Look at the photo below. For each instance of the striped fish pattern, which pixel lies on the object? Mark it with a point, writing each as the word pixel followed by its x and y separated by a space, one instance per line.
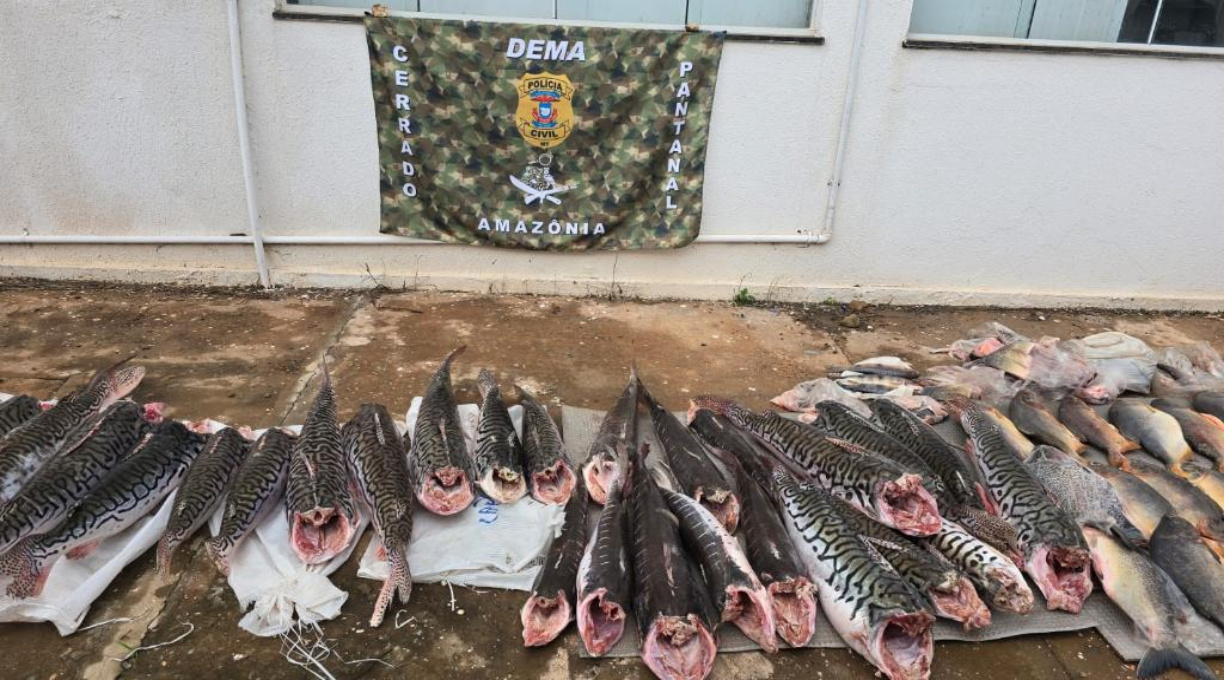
pixel 258 488
pixel 25 449
pixel 549 475
pixel 499 453
pixel 322 515
pixel 995 573
pixel 72 474
pixel 379 463
pixel 605 576
pixel 133 489
pixel 619 428
pixel 550 607
pixel 201 491
pixel 439 462
pixel 17 411
pixel 1055 553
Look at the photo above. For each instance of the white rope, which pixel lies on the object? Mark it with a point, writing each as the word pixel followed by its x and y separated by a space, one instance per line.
pixel 145 648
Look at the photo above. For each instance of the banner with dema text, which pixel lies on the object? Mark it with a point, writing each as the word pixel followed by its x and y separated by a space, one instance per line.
pixel 543 137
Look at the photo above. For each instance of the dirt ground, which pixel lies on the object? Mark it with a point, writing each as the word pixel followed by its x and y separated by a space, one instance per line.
pixel 248 357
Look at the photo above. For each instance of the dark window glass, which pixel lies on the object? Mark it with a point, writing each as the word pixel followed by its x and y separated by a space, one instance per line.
pixel 1196 23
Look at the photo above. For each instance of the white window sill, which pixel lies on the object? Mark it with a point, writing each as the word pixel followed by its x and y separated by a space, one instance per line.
pixel 982 43
pixel 739 33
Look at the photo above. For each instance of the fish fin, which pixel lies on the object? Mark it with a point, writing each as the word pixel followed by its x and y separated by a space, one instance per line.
pixel 1127 533
pixel 875 553
pixel 987 501
pixel 1157 661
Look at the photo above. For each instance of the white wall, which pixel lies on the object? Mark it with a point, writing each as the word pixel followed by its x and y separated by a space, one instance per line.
pixel 970 176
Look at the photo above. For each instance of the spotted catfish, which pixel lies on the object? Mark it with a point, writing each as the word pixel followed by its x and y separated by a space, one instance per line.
pixel 549 475
pixel 619 427
pixel 202 490
pixel 876 486
pixel 1054 550
pixel 1083 494
pixel 63 481
pixel 379 463
pixel 605 574
pixel 439 461
pixel 318 496
pixel 17 411
pixel 258 488
pixel 135 487
pixel 550 607
pixel 499 453
pixel 25 449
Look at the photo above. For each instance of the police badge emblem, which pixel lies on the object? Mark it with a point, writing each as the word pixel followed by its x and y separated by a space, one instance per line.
pixel 545 113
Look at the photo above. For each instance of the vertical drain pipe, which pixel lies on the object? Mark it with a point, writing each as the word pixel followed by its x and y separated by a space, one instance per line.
pixel 860 27
pixel 244 144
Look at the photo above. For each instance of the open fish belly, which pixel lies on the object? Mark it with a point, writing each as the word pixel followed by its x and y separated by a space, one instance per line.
pixel 901 645
pixel 601 622
pixel 678 648
pixel 545 617
pixel 446 491
pixel 1063 575
pixel 905 505
pixel 795 610
pixel 321 534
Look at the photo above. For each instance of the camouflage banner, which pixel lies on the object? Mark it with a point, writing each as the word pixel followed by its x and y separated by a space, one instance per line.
pixel 545 137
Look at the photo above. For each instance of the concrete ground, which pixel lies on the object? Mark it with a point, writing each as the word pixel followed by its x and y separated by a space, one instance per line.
pixel 248 358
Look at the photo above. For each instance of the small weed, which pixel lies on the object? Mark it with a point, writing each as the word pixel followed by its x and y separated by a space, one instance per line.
pixel 743 298
pixel 830 302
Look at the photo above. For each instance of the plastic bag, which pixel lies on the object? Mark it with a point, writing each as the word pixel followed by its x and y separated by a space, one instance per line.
pixel 802 398
pixel 1123 363
pixel 983 340
pixel 978 382
pixel 1056 366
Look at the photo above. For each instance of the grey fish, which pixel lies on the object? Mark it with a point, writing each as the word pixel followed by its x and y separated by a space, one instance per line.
pixel 318 496
pixel 991 570
pixel 258 488
pixel 1034 419
pixel 874 610
pixel 1143 505
pixel 877 486
pixel 1179 550
pixel 1054 550
pixel 1151 600
pixel 691 465
pixel 1020 445
pixel 376 455
pixel 550 607
pixel 1211 403
pixel 136 486
pixel 1157 432
pixel 1204 433
pixel 619 426
pixel 499 453
pixel 1085 423
pixel 26 448
pixel 1206 479
pixel 201 491
pixel 605 574
pixel 872 384
pixel 87 458
pixel 895 367
pixel 439 462
pixel 1014 358
pixel 17 411
pixel 1188 501
pixel 1082 494
pixel 550 477
pixel 1173 388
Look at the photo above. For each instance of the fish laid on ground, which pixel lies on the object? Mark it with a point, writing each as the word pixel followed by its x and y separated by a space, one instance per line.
pixel 499 453
pixel 1014 358
pixel 1211 403
pixel 876 486
pixel 1157 432
pixel 991 570
pixel 1206 479
pixel 874 610
pixel 1179 550
pixel 673 609
pixel 258 488
pixel 136 486
pixel 1085 423
pixel 1188 501
pixel 87 458
pixel 890 366
pixel 1054 550
pixel 1143 505
pixel 691 465
pixel 1082 494
pixel 605 574
pixel 1204 433
pixel 1174 388
pixel 619 428
pixel 1034 419
pixel 735 591
pixel 550 477
pixel 871 384
pixel 376 455
pixel 26 448
pixel 1151 600
pixel 202 490
pixel 439 462
pixel 17 411
pixel 802 398
pixel 770 552
pixel 1020 445
pixel 550 607
pixel 318 496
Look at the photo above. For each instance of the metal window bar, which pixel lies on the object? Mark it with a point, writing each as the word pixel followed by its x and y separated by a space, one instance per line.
pixel 1155 20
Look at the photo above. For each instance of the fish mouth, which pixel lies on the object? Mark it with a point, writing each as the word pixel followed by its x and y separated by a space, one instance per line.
pixel 1063 575
pixel 959 602
pixel 544 618
pixel 906 506
pixel 320 534
pixel 446 491
pixel 601 622
pixel 794 606
pixel 679 648
pixel 553 484
pixel 904 646
pixel 600 476
pixel 504 485
pixel 1012 594
pixel 153 412
pixel 752 612
pixel 723 505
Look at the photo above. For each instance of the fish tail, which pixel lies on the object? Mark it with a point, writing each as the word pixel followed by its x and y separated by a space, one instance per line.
pixel 398 582
pixel 165 551
pixel 450 358
pixel 486 383
pixel 1157 661
pixel 218 550
pixel 1128 534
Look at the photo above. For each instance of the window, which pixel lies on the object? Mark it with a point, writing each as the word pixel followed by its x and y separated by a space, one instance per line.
pixel 740 13
pixel 1197 23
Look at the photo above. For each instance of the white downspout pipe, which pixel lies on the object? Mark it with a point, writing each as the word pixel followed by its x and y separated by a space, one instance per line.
pixel 835 180
pixel 244 144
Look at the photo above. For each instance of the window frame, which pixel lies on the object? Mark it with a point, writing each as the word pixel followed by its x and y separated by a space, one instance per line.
pixel 810 35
